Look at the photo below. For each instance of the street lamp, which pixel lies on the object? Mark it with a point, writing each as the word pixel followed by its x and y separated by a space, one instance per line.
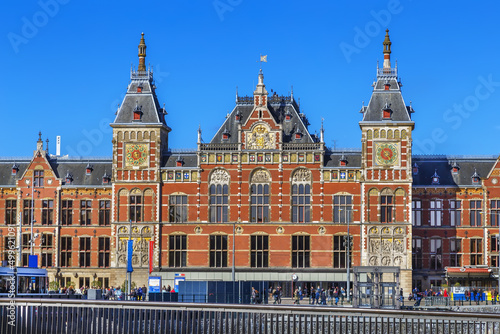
pixel 348 245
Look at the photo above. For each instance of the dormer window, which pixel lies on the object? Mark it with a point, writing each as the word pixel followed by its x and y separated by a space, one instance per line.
pixel 298 134
pixel 475 178
pixel 455 168
pixel 179 162
pixel 225 134
pixel 88 169
pixel 106 178
pixel 386 111
pixel 435 177
pixel 137 112
pixel 343 161
pixel 237 116
pixel 15 169
pixel 69 178
pixel 288 115
pixel 387 85
pixel 139 88
pixel 415 169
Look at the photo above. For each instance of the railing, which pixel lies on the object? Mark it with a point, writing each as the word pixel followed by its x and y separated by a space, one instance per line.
pixel 48 316
pixel 141 74
pixel 301 147
pixel 219 147
pixel 387 72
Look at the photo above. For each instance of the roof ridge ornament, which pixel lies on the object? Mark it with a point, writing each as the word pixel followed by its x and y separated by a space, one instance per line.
pixel 142 54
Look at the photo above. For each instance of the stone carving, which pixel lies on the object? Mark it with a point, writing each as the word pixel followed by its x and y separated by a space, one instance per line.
pixel 373 261
pixel 280 230
pixel 398 260
pixel 146 230
pixel 261 176
pixel 386 245
pixel 322 230
pixel 374 246
pixel 219 176
pixel 398 230
pixel 135 260
pixel 260 138
pixel 198 230
pixel 386 230
pixel 398 246
pixel 302 175
pixel 145 259
pixel 238 229
pixel 385 261
pixel 122 245
pixel 122 259
pixel 123 230
pixel 374 230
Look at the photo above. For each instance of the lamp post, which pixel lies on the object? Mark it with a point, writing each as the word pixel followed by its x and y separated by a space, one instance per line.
pixel 233 267
pixel 347 245
pixel 129 283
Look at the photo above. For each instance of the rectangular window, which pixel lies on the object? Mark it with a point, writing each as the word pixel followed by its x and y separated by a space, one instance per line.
pixel 342 209
pixel 10 211
pixel 436 261
pixel 416 212
pixel 47 212
pixel 495 247
pixel 136 208
pixel 104 213
pixel 177 251
pixel 84 281
pixel 455 250
pixel 219 200
pixel 301 248
pixel 218 251
pixel 38 178
pixel 476 252
pixel 340 252
pixel 436 212
pixel 259 203
pixel 259 251
pixel 301 203
pixel 178 208
pixel 67 212
pixel 475 213
pixel 46 249
pixel 26 248
pixel 103 252
pixel 85 252
pixel 417 254
pixel 27 211
pixel 66 251
pixel 386 209
pixel 495 212
pixel 455 212
pixel 85 212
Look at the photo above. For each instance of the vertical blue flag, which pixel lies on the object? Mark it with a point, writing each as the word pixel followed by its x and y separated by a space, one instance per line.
pixel 130 250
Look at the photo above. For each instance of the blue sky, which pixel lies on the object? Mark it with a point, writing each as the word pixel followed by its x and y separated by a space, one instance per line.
pixel 66 67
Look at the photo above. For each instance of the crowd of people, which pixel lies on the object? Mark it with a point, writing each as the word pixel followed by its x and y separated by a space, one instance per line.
pixel 320 296
pixel 476 295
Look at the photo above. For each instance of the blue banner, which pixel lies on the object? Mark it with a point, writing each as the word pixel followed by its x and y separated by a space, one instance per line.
pixel 33 261
pixel 130 250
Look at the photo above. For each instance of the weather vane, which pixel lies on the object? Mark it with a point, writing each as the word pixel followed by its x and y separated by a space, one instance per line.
pixel 263 59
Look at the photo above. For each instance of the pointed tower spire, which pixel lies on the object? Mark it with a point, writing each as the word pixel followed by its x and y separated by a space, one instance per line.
pixel 39 143
pixel 387 51
pixel 142 54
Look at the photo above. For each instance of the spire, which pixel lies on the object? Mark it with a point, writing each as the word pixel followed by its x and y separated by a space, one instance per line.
pixel 39 143
pixel 261 88
pixel 142 54
pixel 387 50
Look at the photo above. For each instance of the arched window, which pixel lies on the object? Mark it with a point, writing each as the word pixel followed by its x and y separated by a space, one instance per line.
pixel 135 202
pixel 259 196
pixel 219 196
pixel 301 196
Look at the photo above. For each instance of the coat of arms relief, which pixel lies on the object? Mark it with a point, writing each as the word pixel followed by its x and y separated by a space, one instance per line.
pixel 260 138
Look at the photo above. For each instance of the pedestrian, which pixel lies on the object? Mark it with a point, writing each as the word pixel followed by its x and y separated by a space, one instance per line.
pixel 401 295
pixel 494 296
pixel 253 296
pixel 144 292
pixel 139 293
pixel 342 295
pixel 467 295
pixel 318 294
pixel 296 296
pixel 336 295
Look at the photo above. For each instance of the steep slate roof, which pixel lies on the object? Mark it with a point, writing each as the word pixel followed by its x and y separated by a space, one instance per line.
pixel 190 160
pixel 442 165
pixel 6 177
pixel 332 159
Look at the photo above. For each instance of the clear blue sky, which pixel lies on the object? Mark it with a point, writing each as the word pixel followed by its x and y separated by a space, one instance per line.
pixel 66 67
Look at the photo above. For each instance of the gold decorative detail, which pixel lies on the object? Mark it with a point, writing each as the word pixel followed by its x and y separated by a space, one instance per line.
pixel 198 230
pixel 322 230
pixel 386 154
pixel 123 230
pixel 326 176
pixel 369 134
pixel 244 158
pixel 238 229
pixel 382 134
pixel 309 157
pixel 373 230
pixel 276 158
pixel 293 157
pixel 400 192
pixel 260 138
pixel 211 158
pixel 146 230
pixel 398 230
pixel 403 134
pixel 227 157
pixel 136 154
pixel 194 176
pixel 386 230
pixel 373 192
pixel 280 230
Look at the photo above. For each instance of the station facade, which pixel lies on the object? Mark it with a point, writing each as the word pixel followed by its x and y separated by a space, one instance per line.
pixel 264 196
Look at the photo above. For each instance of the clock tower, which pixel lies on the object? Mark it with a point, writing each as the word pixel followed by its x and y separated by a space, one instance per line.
pixel 140 140
pixel 387 179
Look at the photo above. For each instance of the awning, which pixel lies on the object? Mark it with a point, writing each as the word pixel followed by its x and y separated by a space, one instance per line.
pixel 462 271
pixel 6 271
pixel 31 272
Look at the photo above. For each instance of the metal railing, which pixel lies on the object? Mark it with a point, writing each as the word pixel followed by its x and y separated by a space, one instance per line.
pixel 219 147
pixel 301 146
pixel 52 316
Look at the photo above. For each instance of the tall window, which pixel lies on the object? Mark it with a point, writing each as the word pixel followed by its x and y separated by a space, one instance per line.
pixel 67 212
pixel 386 202
pixel 38 178
pixel 340 251
pixel 259 203
pixel 417 253
pixel 103 252
pixel 455 213
pixel 136 208
pixel 10 211
pixel 495 248
pixel 259 251
pixel 26 248
pixel 455 250
pixel 416 212
pixel 177 250
pixel 104 212
pixel 301 249
pixel 85 212
pixel 342 208
pixel 301 203
pixel 436 254
pixel 47 248
pixel 436 212
pixel 218 251
pixel 476 252
pixel 27 211
pixel 219 200
pixel 66 251
pixel 475 213
pixel 495 212
pixel 178 208
pixel 85 252
pixel 47 212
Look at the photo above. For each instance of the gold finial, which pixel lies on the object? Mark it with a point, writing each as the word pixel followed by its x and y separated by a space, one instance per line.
pixel 142 54
pixel 387 42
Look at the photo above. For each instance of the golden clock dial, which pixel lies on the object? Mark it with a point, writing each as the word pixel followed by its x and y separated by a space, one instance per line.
pixel 386 154
pixel 136 154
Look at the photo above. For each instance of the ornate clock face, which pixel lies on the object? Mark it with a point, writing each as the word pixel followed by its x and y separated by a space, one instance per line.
pixel 386 154
pixel 136 154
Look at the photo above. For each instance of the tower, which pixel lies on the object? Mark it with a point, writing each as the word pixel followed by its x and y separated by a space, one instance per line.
pixel 140 137
pixel 386 164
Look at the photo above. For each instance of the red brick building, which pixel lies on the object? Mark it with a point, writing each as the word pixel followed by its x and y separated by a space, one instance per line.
pixel 264 178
